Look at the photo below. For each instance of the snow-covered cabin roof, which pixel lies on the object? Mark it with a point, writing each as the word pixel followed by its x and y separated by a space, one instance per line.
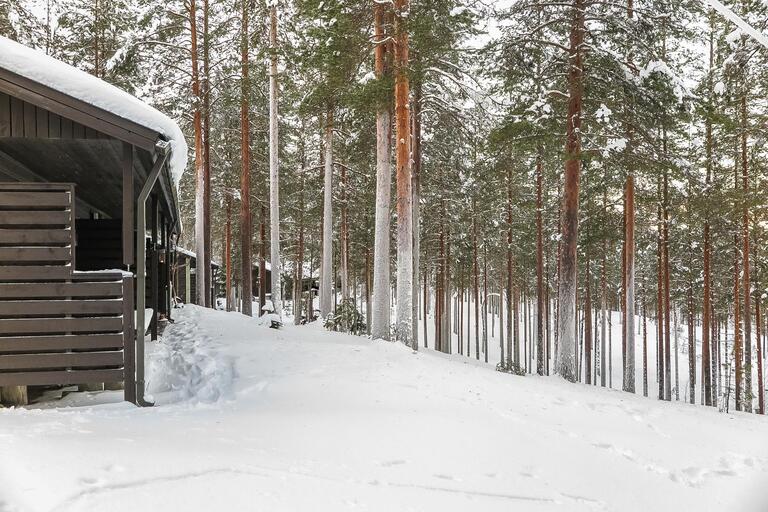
pixel 192 254
pixel 43 69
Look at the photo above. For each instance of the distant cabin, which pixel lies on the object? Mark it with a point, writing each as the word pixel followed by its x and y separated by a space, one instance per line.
pixel 76 154
pixel 184 277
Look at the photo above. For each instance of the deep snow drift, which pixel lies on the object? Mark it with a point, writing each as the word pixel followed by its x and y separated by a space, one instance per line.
pixel 249 418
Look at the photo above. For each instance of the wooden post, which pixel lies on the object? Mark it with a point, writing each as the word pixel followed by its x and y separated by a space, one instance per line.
pixel 187 280
pixel 128 212
pixel 129 340
pixel 154 299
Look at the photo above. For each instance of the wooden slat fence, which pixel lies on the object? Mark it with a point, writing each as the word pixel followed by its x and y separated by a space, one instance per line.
pixel 57 326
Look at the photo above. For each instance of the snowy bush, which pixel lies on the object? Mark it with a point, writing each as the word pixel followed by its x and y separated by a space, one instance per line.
pixel 346 318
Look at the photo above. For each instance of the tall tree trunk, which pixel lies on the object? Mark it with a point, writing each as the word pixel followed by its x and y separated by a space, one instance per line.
pixel 274 169
pixel 262 259
pixel 629 296
pixel 540 353
pixel 660 373
pixel 758 326
pixel 603 303
pixel 645 347
pixel 667 347
pixel 206 87
pixel 299 271
pixel 745 254
pixel 706 326
pixel 326 266
pixel 588 327
pixel 426 302
pixel 381 276
pixel 476 280
pixel 629 250
pixel 485 303
pixel 691 347
pixel 404 324
pixel 447 294
pixel 245 171
pixel 228 253
pixel 200 181
pixel 737 343
pixel 416 199
pixel 344 236
pixel 511 319
pixel 567 287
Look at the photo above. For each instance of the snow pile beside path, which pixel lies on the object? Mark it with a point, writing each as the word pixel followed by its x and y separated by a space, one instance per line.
pixel 183 366
pixel 57 75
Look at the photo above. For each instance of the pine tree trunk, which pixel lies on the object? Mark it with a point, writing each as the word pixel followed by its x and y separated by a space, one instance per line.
pixel 540 353
pixel 691 348
pixel 416 207
pixel 645 347
pixel 502 359
pixel 447 295
pixel 511 319
pixel 747 290
pixel 299 271
pixel 660 373
pixel 381 271
pixel 603 303
pixel 476 280
pixel 344 237
pixel 737 343
pixel 206 85
pixel 667 348
pixel 404 323
pixel 485 304
pixel 706 327
pixel 274 168
pixel 758 344
pixel 245 171
pixel 326 266
pixel 566 363
pixel 262 259
pixel 228 254
pixel 200 199
pixel 629 305
pixel 588 327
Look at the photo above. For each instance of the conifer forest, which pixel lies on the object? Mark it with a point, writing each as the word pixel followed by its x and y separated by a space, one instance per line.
pixel 568 193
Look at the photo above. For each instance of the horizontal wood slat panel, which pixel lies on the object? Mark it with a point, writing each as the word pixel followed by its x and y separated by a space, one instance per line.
pixel 31 218
pixel 35 236
pixel 63 342
pixel 41 290
pixel 60 377
pixel 60 360
pixel 35 254
pixel 60 325
pixel 35 273
pixel 55 199
pixel 61 307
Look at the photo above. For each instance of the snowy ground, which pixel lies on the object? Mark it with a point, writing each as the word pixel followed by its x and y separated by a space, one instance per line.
pixel 249 418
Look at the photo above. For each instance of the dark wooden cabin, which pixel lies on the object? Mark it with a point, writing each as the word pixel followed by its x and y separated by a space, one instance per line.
pixel 71 176
pixel 184 278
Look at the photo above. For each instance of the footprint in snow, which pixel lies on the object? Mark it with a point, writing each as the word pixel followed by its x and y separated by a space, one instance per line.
pixel 92 482
pixel 390 463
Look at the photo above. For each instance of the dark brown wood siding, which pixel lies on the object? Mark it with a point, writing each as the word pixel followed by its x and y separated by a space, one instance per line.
pixel 21 119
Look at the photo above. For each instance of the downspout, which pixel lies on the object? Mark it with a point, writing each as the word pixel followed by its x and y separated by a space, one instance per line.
pixel 162 149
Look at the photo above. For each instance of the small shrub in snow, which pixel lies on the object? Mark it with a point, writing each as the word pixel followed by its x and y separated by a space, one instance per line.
pixel 512 368
pixel 346 318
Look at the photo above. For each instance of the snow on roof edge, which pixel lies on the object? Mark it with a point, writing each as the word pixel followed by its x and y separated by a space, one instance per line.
pixel 44 69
